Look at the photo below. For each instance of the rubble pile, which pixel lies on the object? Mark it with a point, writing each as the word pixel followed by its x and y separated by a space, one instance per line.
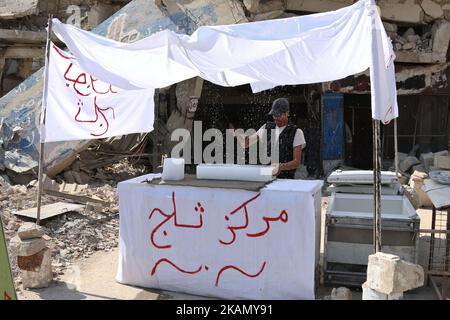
pixel 409 40
pixel 69 236
pixel 415 170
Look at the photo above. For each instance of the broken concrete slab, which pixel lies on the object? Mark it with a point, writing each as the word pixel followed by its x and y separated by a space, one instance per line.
pixel 13 9
pixel 76 198
pixel 42 274
pixel 407 164
pixel 30 230
pixel 388 274
pixel 442 162
pixel 418 167
pixel 432 9
pixel 50 210
pixel 18 162
pixel 371 294
pixel 49 184
pixel 406 11
pixel 30 247
pixel 442 153
pixel 441 36
pixel 439 195
pixel 427 159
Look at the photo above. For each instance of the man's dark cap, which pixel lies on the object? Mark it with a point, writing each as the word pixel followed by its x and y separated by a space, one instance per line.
pixel 279 106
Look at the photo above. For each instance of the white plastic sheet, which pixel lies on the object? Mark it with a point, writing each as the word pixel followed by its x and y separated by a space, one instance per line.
pixel 224 243
pixel 299 50
pixel 81 107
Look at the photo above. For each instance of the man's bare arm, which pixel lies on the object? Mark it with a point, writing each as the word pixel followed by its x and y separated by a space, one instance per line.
pixel 295 163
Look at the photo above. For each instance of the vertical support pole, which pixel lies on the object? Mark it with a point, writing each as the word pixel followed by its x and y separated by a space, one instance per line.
pixel 396 148
pixel 42 121
pixel 376 185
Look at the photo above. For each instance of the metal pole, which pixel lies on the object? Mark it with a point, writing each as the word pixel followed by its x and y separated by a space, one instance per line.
pixel 396 148
pixel 376 186
pixel 378 194
pixel 42 120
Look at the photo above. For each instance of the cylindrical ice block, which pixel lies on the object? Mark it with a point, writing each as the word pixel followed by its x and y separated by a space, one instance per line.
pixel 234 172
pixel 173 169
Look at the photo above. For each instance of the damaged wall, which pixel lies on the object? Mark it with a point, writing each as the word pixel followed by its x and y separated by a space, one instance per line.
pixel 140 18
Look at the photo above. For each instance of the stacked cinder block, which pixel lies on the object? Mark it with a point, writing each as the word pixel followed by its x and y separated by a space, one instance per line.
pixel 33 256
pixel 388 277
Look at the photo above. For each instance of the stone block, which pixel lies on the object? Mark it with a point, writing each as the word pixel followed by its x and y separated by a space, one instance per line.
pixel 390 27
pixel 416 183
pixel 409 46
pixel 341 293
pixel 427 159
pixel 406 11
pixel 432 9
pixel 442 153
pixel 418 167
pixel 408 32
pixel 441 36
pixel 42 275
pixel 388 274
pixel 442 162
pixel 407 164
pixel 370 294
pixel 31 246
pixel 30 230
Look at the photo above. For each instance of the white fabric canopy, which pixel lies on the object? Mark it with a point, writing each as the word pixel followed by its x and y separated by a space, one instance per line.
pixel 299 50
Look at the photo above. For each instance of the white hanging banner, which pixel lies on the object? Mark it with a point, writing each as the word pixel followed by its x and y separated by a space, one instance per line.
pixel 81 107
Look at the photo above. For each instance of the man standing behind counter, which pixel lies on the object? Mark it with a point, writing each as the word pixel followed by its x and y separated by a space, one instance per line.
pixel 288 137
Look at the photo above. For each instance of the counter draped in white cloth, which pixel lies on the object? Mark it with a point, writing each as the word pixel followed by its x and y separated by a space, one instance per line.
pixel 306 49
pixel 225 243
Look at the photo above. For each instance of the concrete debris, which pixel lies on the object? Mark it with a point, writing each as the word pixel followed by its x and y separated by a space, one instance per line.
pixel 432 9
pixel 18 162
pixel 64 187
pixel 30 247
pixel 390 27
pixel 407 164
pixel 73 236
pixel 442 162
pixel 341 293
pixel 427 160
pixel 442 153
pixel 418 167
pixel 13 9
pixel 412 196
pixel 30 230
pixel 371 294
pixel 50 210
pixel 388 274
pixel 416 183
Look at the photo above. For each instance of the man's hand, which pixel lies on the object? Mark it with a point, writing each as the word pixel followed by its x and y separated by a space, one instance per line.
pixel 276 170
